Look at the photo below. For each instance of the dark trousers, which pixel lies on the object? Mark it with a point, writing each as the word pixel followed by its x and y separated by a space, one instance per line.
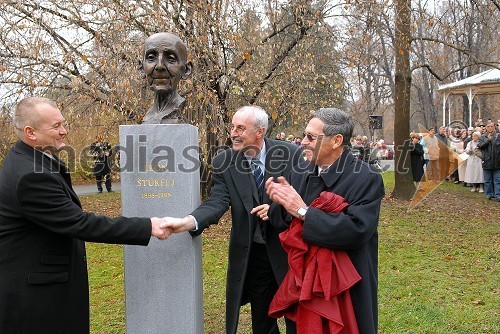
pixel 261 286
pixel 107 181
pixel 102 173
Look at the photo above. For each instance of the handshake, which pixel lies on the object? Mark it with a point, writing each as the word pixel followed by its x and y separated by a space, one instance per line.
pixel 162 228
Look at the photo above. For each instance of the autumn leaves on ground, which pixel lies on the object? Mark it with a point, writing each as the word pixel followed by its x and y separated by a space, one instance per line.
pixel 438 266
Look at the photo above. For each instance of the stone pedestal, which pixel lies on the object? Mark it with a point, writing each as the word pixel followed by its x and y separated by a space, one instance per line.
pixel 160 177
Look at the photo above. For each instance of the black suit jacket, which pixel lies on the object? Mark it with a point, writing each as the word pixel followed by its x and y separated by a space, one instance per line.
pixel 234 186
pixel 353 230
pixel 43 270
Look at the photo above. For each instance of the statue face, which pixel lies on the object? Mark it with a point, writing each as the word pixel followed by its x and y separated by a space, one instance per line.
pixel 165 62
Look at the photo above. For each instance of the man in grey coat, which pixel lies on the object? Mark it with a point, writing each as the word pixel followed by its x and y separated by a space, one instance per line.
pixel 257 262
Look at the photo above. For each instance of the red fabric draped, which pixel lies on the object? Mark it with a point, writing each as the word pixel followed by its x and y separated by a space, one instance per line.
pixel 315 291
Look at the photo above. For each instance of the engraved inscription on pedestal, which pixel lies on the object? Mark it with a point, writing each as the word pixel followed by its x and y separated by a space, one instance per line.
pixel 160 177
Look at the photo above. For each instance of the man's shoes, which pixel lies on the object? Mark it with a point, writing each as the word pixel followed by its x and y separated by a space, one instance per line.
pixel 496 199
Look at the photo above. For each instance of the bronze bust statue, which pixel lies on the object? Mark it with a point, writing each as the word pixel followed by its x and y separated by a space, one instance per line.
pixel 164 64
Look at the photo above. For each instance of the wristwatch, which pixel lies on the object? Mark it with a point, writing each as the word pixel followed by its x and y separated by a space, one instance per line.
pixel 302 212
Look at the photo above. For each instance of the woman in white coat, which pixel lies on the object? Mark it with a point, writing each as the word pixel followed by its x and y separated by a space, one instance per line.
pixel 474 171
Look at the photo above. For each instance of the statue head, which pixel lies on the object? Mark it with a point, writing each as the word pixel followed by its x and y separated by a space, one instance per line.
pixel 165 62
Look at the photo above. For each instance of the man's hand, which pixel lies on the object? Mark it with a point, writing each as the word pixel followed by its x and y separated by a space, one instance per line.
pixel 261 211
pixel 177 225
pixel 284 194
pixel 161 233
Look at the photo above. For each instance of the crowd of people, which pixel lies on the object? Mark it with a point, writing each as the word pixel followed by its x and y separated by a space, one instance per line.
pixel 297 140
pixel 469 157
pixel 370 151
pixel 361 147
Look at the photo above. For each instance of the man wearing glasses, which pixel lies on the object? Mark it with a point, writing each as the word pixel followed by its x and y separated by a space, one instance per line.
pixel 257 262
pixel 331 167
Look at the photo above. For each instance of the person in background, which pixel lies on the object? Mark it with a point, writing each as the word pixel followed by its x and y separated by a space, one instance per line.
pixel 352 141
pixel 489 144
pixel 43 264
pixel 426 152
pixel 416 158
pixel 452 140
pixel 468 139
pixel 431 143
pixel 444 154
pixel 374 152
pixel 461 149
pixel 474 173
pixel 357 148
pixel 457 146
pixel 382 153
pixel 101 152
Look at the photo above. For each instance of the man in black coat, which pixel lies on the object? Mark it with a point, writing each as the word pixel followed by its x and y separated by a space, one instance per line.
pixel 489 144
pixel 330 166
pixel 43 269
pixel 257 262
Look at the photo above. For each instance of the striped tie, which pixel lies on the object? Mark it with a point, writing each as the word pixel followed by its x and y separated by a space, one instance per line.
pixel 258 176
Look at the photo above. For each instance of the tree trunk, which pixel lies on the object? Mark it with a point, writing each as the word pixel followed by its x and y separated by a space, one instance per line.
pixel 404 187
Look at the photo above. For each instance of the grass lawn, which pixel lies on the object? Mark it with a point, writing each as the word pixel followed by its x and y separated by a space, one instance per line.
pixel 438 266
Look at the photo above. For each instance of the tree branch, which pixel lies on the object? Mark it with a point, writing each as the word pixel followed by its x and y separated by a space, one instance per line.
pixel 278 61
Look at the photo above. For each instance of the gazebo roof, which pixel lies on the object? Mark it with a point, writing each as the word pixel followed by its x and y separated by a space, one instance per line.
pixel 484 83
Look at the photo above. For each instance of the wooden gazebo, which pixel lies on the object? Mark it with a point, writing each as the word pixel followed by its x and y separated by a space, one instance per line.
pixel 484 83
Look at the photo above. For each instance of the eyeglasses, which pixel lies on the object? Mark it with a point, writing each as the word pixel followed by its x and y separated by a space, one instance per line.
pixel 311 137
pixel 238 129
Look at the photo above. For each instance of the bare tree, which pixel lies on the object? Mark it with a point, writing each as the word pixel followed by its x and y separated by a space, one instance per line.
pixel 87 55
pixel 404 187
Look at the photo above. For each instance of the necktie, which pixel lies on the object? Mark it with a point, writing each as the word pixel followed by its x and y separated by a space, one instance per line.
pixel 258 175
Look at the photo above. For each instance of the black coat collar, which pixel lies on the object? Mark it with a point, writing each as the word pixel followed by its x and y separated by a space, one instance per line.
pixel 45 163
pixel 333 173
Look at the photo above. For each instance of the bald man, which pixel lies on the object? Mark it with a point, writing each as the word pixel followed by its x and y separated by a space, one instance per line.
pixel 43 269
